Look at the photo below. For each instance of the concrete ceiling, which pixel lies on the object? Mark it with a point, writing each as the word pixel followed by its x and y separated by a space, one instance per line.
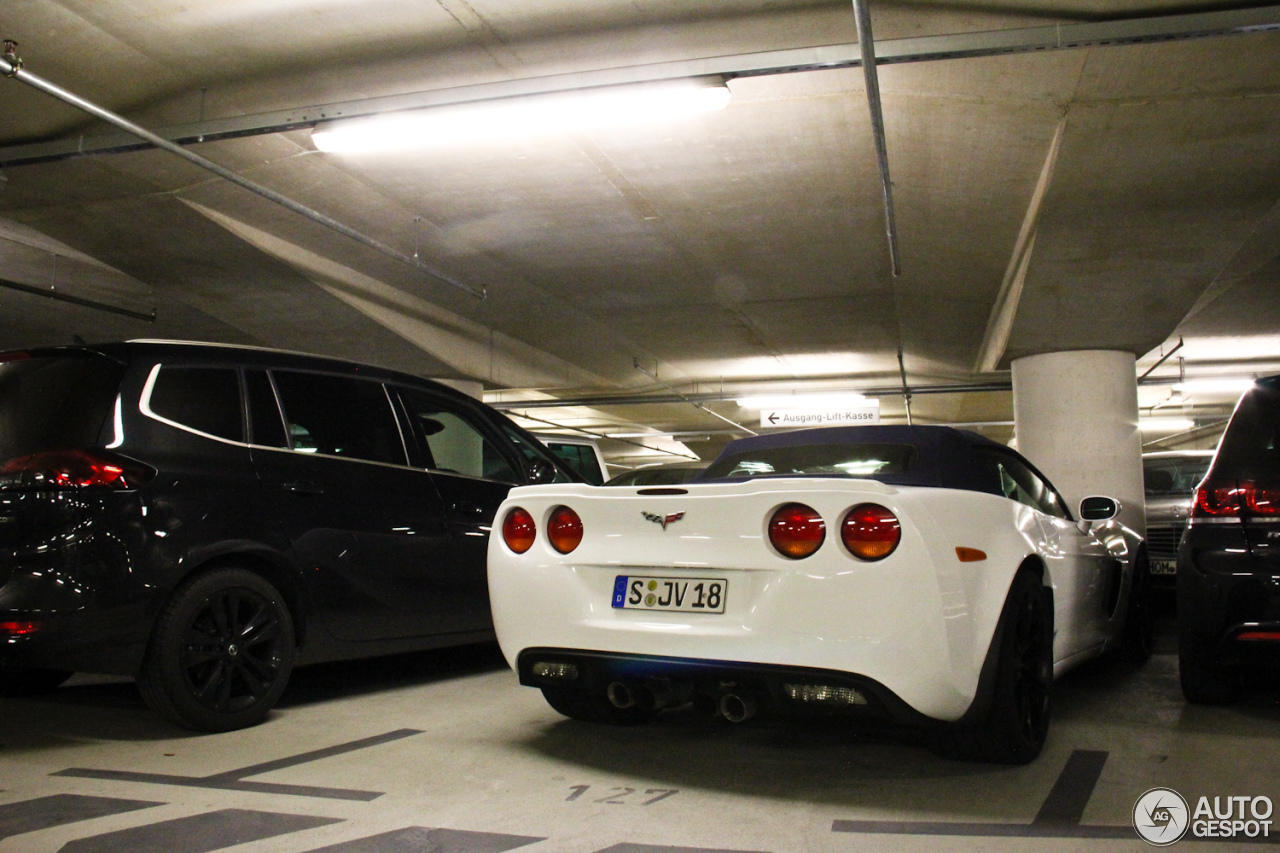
pixel 1117 196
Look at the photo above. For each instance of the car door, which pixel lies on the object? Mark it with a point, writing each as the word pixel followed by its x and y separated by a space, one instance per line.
pixel 1084 573
pixel 367 529
pixel 473 468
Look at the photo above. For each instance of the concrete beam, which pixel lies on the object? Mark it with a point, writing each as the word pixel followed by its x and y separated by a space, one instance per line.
pixel 922 49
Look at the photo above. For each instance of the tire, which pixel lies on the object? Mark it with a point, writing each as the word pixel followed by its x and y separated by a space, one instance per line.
pixel 31 682
pixel 1204 682
pixel 595 708
pixel 1138 636
pixel 1017 722
pixel 220 654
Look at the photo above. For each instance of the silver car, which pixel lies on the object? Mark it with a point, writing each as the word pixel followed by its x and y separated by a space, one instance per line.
pixel 1170 480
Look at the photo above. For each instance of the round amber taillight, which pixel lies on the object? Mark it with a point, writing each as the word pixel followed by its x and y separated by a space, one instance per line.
pixel 796 530
pixel 518 530
pixel 564 529
pixel 870 532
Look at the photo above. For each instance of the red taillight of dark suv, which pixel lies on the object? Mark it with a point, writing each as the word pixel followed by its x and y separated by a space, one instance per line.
pixel 1235 500
pixel 74 469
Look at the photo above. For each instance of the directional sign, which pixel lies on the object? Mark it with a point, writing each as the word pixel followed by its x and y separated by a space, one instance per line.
pixel 819 417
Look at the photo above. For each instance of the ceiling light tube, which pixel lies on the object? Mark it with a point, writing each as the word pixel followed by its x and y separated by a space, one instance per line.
pixel 516 118
pixel 1223 385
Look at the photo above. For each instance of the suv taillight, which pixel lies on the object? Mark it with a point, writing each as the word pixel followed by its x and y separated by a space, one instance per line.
pixel 1233 500
pixel 75 469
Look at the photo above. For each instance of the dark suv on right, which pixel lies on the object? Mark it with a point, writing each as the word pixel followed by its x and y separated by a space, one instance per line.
pixel 1229 558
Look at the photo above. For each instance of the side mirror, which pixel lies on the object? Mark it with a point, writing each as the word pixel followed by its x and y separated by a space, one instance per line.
pixel 1099 508
pixel 541 471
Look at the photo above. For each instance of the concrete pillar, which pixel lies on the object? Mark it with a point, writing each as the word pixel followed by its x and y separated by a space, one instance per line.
pixel 1076 418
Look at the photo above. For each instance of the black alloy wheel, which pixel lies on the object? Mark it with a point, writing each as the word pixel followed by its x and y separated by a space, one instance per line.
pixel 1137 639
pixel 1033 676
pixel 1017 722
pixel 1204 681
pixel 221 653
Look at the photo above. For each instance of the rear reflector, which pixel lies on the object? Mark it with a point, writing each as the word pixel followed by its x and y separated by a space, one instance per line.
pixel 871 532
pixel 551 669
pixel 75 469
pixel 564 529
pixel 824 693
pixel 18 629
pixel 796 530
pixel 518 530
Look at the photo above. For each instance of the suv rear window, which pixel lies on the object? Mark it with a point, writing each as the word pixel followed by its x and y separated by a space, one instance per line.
pixel 205 399
pixel 55 402
pixel 1251 445
pixel 863 460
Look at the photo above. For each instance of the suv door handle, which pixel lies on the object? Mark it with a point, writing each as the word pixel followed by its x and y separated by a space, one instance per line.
pixel 304 487
pixel 465 507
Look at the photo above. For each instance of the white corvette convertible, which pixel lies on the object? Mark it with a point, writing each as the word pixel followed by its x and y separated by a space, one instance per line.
pixel 923 574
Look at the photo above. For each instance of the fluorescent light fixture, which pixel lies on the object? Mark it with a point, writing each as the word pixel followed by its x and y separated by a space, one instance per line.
pixel 808 401
pixel 514 118
pixel 1165 424
pixel 1224 385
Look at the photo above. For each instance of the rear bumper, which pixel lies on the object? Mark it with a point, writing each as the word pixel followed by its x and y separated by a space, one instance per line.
pixel 869 628
pixel 1227 593
pixel 73 571
pixel 785 689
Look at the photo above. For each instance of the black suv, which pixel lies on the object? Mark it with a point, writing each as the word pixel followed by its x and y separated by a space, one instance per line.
pixel 1229 558
pixel 205 517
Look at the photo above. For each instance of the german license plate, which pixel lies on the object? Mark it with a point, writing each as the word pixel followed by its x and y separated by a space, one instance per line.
pixel 1164 567
pixel 681 595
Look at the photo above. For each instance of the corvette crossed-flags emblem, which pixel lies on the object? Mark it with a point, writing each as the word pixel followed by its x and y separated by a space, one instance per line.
pixel 664 520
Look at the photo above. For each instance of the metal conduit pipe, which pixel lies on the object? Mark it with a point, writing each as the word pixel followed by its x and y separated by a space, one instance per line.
pixel 867 46
pixel 11 66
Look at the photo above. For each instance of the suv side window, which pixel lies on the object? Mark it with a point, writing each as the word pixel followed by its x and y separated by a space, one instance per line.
pixel 339 416
pixel 532 453
pixel 203 399
pixel 452 441
pixel 579 457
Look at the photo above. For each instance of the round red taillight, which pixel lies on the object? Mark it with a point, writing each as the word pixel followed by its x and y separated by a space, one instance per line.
pixel 870 532
pixel 518 530
pixel 564 529
pixel 796 530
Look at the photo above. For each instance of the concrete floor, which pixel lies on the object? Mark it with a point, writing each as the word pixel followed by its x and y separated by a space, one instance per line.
pixel 445 752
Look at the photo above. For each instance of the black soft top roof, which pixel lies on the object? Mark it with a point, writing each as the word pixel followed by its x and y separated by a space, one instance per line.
pixel 946 457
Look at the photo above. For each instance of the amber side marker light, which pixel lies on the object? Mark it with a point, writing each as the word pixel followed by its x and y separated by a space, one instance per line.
pixel 518 530
pixel 796 530
pixel 970 555
pixel 871 532
pixel 564 529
